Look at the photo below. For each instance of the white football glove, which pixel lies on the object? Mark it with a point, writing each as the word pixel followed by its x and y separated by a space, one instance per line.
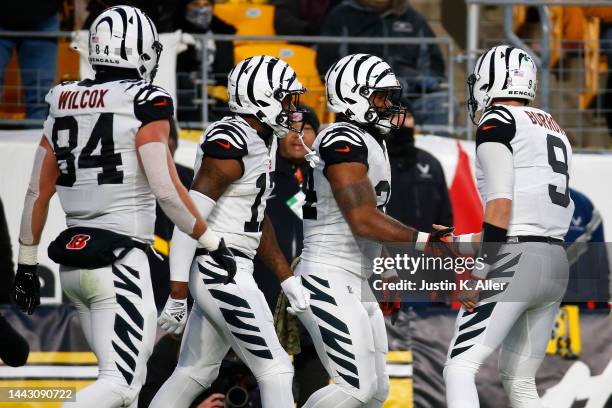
pixel 174 316
pixel 299 298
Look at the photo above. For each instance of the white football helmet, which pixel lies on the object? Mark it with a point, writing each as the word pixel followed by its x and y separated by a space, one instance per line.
pixel 125 37
pixel 258 85
pixel 351 81
pixel 501 72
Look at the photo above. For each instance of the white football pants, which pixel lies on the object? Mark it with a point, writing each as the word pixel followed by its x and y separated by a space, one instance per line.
pixel 349 336
pixel 118 316
pixel 235 315
pixel 520 319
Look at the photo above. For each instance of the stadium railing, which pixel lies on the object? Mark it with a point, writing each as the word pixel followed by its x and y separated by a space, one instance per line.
pixel 569 88
pixel 585 123
pixel 207 80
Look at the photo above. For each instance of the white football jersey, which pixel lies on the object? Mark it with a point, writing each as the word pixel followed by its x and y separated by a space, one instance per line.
pixel 328 237
pixel 239 212
pixel 542 160
pixel 92 125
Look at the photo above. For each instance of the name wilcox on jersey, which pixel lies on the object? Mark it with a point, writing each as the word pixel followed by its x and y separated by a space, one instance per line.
pixel 92 128
pixel 86 99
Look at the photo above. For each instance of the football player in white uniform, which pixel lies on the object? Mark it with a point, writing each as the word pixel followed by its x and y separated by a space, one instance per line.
pixel 344 224
pixel 234 171
pixel 104 150
pixel 523 161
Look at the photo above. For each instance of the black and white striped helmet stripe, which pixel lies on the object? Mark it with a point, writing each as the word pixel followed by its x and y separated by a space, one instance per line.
pixel 351 80
pixel 120 37
pixel 255 87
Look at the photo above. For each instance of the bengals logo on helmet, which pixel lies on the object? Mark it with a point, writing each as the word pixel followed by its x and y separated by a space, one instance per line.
pixel 78 242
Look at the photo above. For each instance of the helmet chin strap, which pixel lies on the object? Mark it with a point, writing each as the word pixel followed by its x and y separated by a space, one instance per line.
pixel 311 157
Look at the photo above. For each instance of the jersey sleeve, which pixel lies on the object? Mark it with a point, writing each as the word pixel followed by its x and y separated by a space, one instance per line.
pixel 496 125
pixel 152 103
pixel 224 140
pixel 495 132
pixel 343 145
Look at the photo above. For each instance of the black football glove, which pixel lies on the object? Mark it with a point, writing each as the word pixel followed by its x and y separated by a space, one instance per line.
pixel 26 288
pixel 437 235
pixel 225 259
pixel 437 247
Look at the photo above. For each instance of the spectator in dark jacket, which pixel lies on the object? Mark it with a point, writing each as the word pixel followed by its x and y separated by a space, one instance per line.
pixel 419 194
pixel 420 66
pixel 37 56
pixel 162 12
pixel 301 17
pixel 419 198
pixel 196 17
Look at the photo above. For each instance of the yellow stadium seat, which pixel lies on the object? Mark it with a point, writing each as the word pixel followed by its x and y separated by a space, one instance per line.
pixel 303 60
pixel 247 18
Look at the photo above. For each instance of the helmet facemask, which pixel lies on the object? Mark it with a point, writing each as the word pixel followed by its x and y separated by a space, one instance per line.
pixel 478 98
pixel 472 103
pixel 146 61
pixel 289 113
pixel 386 111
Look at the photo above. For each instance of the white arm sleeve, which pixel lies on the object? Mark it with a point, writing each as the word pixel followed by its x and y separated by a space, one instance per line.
pixel 498 169
pixel 25 232
pixel 154 159
pixel 182 248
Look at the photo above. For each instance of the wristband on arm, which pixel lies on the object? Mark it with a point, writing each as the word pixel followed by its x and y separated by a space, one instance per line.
pixel 493 238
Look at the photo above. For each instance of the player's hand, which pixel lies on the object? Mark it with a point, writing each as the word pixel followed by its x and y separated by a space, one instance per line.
pixel 391 301
pixel 214 401
pixel 26 288
pixel 174 316
pixel 225 259
pixel 440 241
pixel 469 297
pixel 299 298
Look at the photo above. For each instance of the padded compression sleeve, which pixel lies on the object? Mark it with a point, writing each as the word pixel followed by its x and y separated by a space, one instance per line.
pixel 182 248
pixel 154 159
pixel 498 169
pixel 26 235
